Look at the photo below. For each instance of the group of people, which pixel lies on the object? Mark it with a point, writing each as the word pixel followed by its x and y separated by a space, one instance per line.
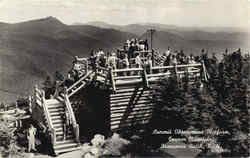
pixel 179 58
pixel 136 44
pixel 121 60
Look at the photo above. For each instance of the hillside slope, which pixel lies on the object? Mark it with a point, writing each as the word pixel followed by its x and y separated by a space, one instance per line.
pixel 29 51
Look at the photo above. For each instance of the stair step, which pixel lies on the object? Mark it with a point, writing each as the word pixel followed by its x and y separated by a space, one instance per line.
pixel 65 145
pixel 59 129
pixel 58 126
pixel 51 101
pixel 60 151
pixel 60 137
pixel 55 106
pixel 58 121
pixel 60 132
pixel 58 110
pixel 65 142
pixel 54 114
pixel 56 117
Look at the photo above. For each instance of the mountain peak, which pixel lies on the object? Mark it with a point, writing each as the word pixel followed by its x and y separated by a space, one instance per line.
pixel 50 20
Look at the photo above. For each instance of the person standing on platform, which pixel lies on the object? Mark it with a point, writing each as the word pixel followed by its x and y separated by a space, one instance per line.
pixel 125 64
pixel 31 138
pixel 149 64
pixel 112 61
pixel 138 62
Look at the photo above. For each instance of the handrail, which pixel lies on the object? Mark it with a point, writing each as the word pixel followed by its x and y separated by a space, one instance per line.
pixel 40 94
pixel 73 119
pixel 112 79
pixel 127 70
pixel 102 68
pixel 178 66
pixel 80 80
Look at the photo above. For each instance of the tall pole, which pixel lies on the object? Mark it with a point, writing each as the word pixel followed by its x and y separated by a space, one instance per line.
pixel 151 31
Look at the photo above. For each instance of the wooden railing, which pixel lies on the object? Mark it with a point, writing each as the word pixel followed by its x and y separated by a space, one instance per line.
pixel 39 97
pixel 78 85
pixel 72 117
pixel 140 75
pixel 121 77
pixel 179 70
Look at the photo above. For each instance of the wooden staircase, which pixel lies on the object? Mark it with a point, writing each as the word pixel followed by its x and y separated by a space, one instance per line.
pixel 80 83
pixel 53 110
pixel 56 109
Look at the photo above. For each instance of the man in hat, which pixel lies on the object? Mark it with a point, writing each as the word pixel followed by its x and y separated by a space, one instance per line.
pixel 112 60
pixel 31 138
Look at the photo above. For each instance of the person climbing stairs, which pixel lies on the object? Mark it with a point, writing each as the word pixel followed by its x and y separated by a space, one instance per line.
pixel 56 109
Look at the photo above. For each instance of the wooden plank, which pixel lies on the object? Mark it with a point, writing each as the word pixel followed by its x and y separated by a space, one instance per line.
pixel 141 105
pixel 178 66
pixel 134 109
pixel 126 99
pixel 117 126
pixel 135 81
pixel 126 103
pixel 133 113
pixel 136 120
pixel 159 74
pixel 112 80
pixel 126 77
pixel 127 70
pixel 130 89
pixel 129 96
pixel 131 119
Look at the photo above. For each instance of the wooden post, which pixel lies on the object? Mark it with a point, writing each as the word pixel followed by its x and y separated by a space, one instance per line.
pixel 53 137
pixel 43 96
pixel 153 58
pixel 77 133
pixel 56 90
pixel 112 79
pixel 145 79
pixel 86 66
pixel 30 104
pixel 176 74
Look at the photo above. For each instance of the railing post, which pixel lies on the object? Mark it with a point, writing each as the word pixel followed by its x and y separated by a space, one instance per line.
pixel 112 79
pixel 144 75
pixel 77 133
pixel 43 96
pixel 53 136
pixel 204 71
pixel 30 104
pixel 86 66
pixel 176 74
pixel 72 117
pixel 153 58
pixel 56 94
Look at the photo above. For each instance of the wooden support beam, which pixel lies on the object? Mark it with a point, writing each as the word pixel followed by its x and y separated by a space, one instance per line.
pixel 145 78
pixel 112 79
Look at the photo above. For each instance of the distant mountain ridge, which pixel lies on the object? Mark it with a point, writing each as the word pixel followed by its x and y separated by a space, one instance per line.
pixel 31 50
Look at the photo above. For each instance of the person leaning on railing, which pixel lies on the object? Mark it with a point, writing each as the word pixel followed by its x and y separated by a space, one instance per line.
pixel 66 123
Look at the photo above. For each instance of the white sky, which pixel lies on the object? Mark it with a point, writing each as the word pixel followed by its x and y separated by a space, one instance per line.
pixel 231 13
